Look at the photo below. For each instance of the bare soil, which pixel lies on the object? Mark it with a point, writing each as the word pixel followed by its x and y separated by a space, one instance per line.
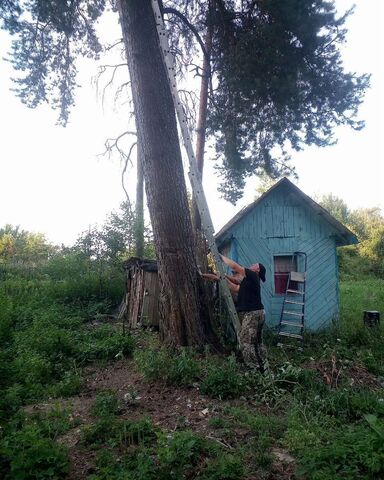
pixel 170 408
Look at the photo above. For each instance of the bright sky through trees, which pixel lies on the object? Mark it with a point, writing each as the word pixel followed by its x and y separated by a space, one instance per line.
pixel 53 182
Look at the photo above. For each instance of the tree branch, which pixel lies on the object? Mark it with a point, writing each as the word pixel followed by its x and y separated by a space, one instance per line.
pixel 184 19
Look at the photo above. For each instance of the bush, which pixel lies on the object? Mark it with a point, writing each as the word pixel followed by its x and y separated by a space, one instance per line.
pixel 157 363
pixel 179 454
pixel 223 379
pixel 27 455
pixel 110 431
pixel 106 403
pixel 69 385
pixel 350 452
pixel 225 467
pixel 105 343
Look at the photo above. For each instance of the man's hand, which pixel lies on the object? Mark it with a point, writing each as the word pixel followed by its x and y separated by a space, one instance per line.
pixel 233 265
pixel 211 276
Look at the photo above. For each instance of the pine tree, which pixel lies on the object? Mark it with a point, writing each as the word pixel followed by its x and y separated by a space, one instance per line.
pixel 49 36
pixel 279 81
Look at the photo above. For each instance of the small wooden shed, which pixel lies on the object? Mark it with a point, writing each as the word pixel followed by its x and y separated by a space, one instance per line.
pixel 142 293
pixel 282 221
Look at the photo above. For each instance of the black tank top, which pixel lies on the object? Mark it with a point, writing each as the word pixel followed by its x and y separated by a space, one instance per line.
pixel 249 298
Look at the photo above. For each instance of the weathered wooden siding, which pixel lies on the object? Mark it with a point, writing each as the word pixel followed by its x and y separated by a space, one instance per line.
pixel 142 295
pixel 150 308
pixel 280 225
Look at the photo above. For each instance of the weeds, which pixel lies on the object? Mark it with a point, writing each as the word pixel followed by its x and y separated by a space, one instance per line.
pixel 335 429
pixel 28 449
pixel 157 363
pixel 106 404
pixel 223 379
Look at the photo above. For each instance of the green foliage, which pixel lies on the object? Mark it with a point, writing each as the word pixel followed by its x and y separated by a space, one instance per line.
pixel 264 430
pixel 106 403
pixel 173 368
pixel 223 379
pixel 179 453
pixel 330 450
pixel 104 343
pixel 171 456
pixel 108 430
pixel 27 454
pixel 366 258
pixel 23 248
pixel 70 384
pixel 336 207
pixel 282 58
pixel 225 467
pixel 45 334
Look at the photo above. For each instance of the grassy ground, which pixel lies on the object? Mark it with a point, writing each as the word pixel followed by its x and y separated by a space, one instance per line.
pixel 80 401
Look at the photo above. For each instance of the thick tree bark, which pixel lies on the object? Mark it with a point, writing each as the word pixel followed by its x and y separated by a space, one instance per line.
pixel 139 206
pixel 183 314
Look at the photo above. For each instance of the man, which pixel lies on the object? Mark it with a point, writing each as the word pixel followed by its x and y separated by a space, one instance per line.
pixel 245 283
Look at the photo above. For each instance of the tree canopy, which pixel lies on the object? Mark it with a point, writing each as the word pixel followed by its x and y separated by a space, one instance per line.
pixel 278 78
pixel 280 84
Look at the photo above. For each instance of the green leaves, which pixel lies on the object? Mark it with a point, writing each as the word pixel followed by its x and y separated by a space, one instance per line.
pixel 280 82
pixel 48 38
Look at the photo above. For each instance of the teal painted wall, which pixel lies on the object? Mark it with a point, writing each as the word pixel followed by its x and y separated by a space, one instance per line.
pixel 280 224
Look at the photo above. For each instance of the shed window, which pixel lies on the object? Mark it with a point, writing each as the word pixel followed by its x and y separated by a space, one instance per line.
pixel 282 267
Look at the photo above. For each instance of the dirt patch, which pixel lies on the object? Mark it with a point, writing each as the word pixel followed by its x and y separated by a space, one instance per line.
pixel 336 373
pixel 169 408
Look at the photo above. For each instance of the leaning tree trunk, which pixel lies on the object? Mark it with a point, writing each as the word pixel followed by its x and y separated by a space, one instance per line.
pixel 183 314
pixel 139 206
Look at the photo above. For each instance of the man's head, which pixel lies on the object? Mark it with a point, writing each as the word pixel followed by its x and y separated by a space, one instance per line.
pixel 259 269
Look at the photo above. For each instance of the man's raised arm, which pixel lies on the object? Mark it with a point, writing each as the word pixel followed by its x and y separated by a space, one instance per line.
pixel 233 265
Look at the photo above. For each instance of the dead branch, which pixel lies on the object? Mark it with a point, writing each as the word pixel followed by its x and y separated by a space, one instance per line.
pixel 128 159
pixel 101 70
pixel 113 45
pixel 113 144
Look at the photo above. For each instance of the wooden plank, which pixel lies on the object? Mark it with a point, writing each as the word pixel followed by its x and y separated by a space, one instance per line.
pixel 155 306
pixel 289 222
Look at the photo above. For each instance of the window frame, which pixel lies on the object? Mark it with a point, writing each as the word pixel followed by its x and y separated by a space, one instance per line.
pixel 278 288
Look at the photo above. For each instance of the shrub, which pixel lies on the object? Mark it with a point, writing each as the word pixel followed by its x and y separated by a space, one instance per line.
pixel 70 384
pixel 184 369
pixel 179 454
pixel 350 452
pixel 225 467
pixel 223 379
pixel 348 405
pixel 106 404
pixel 27 455
pixel 113 432
pixel 105 343
pixel 157 363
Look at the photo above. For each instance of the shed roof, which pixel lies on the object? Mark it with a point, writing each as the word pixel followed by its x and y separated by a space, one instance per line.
pixel 343 236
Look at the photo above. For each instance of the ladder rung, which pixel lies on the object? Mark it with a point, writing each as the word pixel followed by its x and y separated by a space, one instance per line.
pixel 296 303
pixel 292 324
pixel 293 335
pixel 295 291
pixel 297 277
pixel 293 313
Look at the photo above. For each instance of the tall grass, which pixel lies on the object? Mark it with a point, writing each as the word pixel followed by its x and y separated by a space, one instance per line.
pixel 46 338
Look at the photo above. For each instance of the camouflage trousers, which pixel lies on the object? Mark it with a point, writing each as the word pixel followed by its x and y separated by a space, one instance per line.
pixel 251 339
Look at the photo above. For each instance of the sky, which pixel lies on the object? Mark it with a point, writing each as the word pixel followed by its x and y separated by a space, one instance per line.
pixel 54 180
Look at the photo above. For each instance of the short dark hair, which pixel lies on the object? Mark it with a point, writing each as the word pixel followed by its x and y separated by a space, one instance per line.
pixel 262 272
